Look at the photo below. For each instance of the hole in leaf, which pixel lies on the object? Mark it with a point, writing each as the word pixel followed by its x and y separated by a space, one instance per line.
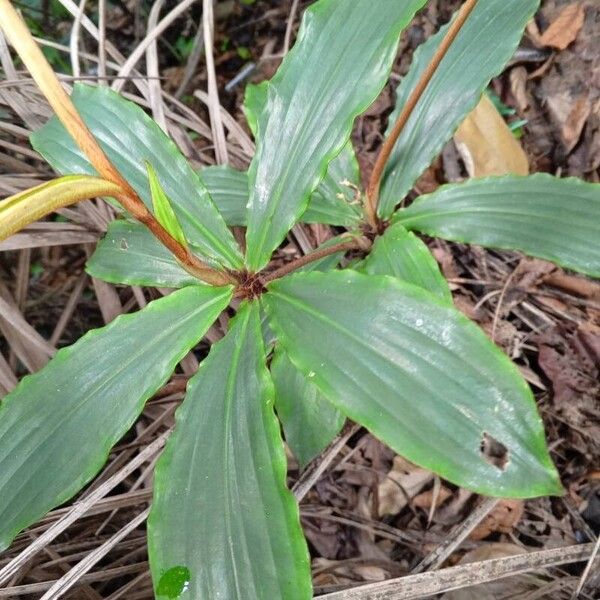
pixel 493 451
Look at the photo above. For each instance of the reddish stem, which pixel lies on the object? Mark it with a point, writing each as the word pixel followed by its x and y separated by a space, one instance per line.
pixel 360 243
pixel 409 107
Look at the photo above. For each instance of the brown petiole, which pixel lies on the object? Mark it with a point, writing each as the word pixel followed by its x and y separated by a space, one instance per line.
pixel 356 243
pixel 386 150
pixel 19 36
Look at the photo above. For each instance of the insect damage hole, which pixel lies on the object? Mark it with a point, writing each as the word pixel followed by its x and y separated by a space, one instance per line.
pixel 493 451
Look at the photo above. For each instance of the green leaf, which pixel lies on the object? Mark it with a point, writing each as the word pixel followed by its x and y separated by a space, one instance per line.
pixel 402 254
pixel 229 190
pixel 551 218
pixel 163 211
pixel 130 254
pixel 482 48
pixel 332 202
pixel 58 425
pixel 221 507
pixel 309 420
pixel 338 66
pixel 255 99
pixel 418 374
pixel 130 137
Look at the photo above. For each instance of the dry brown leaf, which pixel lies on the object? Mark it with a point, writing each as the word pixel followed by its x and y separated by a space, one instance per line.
pixel 425 499
pixel 533 32
pixel 572 284
pixel 502 519
pixel 487 145
pixel 569 355
pixel 401 484
pixel 565 28
pixel 518 87
pixel 577 118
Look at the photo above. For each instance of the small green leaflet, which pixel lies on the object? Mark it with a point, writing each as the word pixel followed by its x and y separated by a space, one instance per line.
pixel 309 420
pixel 402 254
pixel 129 253
pixel 255 98
pixel 163 210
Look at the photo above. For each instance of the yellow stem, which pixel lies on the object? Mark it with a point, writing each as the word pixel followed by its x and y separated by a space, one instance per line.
pixel 21 39
pixel 24 208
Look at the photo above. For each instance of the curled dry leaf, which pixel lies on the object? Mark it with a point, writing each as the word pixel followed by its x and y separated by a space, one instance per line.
pixel 566 112
pixel 565 27
pixel 576 120
pixel 487 145
pixel 502 519
pixel 349 571
pixel 401 484
pixel 518 87
pixel 426 499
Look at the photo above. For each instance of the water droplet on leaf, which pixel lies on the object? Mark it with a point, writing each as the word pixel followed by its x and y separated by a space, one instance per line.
pixel 174 583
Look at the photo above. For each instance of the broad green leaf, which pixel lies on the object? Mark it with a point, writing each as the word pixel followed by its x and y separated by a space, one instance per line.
pixel 30 205
pixel 482 48
pixel 544 216
pixel 326 263
pixel 130 254
pixel 221 508
pixel 310 421
pixel 229 190
pixel 58 425
pixel 332 202
pixel 130 137
pixel 402 254
pixel 163 210
pixel 338 66
pixel 418 374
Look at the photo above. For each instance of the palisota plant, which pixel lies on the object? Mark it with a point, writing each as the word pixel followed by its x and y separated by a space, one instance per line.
pixel 311 343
